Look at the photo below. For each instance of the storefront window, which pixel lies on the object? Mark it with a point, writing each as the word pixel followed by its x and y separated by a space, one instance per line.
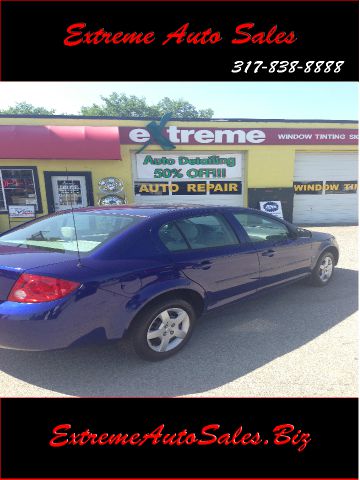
pixel 18 187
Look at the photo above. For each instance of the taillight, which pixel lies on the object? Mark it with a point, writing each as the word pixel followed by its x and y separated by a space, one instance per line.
pixel 37 288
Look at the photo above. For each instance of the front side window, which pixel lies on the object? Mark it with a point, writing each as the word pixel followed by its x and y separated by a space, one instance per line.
pixel 58 233
pixel 207 231
pixel 262 229
pixel 17 187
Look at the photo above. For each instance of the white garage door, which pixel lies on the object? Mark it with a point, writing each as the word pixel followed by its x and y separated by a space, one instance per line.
pixel 325 188
pixel 214 178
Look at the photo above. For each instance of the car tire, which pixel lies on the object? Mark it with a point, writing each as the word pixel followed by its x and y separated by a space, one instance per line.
pixel 324 270
pixel 163 329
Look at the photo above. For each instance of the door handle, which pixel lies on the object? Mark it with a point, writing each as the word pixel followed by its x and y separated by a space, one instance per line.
pixel 205 265
pixel 268 253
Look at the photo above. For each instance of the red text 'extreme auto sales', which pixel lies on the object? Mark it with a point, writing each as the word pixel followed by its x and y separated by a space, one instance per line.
pixel 244 33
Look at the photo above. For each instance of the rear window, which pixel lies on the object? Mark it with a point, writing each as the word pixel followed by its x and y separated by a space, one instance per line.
pixel 58 233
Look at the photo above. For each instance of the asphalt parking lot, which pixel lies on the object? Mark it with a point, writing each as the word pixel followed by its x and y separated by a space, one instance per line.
pixel 299 341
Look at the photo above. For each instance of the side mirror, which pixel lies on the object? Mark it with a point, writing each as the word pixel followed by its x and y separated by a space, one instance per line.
pixel 303 233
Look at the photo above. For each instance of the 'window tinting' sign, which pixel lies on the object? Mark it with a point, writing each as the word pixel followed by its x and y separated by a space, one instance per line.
pixel 329 187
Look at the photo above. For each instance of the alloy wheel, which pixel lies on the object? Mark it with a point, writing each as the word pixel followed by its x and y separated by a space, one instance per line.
pixel 326 269
pixel 168 329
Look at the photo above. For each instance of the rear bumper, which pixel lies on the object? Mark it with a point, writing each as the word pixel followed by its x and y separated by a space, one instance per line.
pixel 33 327
pixel 59 324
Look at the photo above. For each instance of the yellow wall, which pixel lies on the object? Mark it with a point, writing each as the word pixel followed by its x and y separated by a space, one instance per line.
pixel 273 165
pixel 266 166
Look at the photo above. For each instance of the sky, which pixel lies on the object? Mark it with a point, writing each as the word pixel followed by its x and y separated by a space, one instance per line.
pixel 288 100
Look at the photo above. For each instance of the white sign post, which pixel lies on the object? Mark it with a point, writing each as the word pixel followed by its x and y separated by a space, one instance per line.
pixel 273 207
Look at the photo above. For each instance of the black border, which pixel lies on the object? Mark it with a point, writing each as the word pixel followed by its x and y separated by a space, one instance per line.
pixel 337 36
pixel 28 428
pixel 337 429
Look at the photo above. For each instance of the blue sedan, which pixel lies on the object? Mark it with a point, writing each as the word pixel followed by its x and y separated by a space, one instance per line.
pixel 149 271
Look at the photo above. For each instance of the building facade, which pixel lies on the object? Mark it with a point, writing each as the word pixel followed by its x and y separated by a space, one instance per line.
pixel 56 162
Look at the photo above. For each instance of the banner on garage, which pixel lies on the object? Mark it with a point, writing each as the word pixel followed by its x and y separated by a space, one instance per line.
pixel 327 186
pixel 308 188
pixel 155 166
pixel 188 188
pixel 341 187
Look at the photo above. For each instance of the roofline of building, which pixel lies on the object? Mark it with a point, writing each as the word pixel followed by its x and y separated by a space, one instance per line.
pixel 255 120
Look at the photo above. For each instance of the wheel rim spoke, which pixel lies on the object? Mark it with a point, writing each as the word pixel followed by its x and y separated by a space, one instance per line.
pixel 183 316
pixel 180 333
pixel 165 317
pixel 164 343
pixel 155 334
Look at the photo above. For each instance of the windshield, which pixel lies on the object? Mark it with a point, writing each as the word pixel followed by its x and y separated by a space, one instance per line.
pixel 58 233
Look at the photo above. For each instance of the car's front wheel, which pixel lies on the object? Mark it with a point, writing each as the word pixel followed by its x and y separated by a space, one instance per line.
pixel 163 329
pixel 324 270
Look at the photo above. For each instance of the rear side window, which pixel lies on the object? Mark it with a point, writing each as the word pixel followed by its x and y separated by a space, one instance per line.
pixel 262 229
pixel 58 232
pixel 171 237
pixel 207 231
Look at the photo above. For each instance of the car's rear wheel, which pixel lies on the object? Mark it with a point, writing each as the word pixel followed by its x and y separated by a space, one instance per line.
pixel 324 270
pixel 163 329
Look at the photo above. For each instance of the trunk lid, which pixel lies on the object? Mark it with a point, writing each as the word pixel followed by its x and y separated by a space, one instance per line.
pixel 8 276
pixel 15 260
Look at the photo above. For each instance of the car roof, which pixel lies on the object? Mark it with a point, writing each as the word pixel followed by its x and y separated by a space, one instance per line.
pixel 152 210
pixel 149 211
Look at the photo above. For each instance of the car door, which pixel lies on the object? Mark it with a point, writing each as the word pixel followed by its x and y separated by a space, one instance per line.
pixel 282 255
pixel 208 251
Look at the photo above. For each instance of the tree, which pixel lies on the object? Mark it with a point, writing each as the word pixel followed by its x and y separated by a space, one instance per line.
pixel 23 108
pixel 121 105
pixel 116 105
pixel 182 109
